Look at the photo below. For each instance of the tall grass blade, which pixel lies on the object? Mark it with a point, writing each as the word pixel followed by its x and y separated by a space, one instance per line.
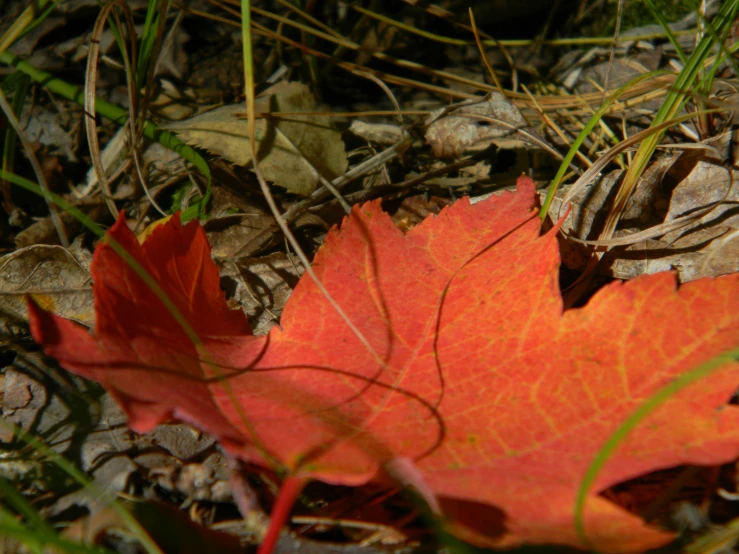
pixel 675 100
pixel 119 116
pixel 634 419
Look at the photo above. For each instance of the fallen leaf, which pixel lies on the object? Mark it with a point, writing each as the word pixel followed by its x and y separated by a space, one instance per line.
pixel 500 398
pixel 57 278
pixel 690 186
pixel 475 125
pixel 242 235
pixel 134 333
pixel 706 247
pixel 292 151
pixel 44 125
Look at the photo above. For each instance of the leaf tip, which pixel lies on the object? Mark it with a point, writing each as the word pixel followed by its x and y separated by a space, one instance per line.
pixel 42 329
pixel 525 185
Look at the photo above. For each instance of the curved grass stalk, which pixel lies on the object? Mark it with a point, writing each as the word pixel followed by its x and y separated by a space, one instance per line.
pixel 583 41
pixel 33 159
pixel 549 102
pixel 138 70
pixel 119 116
pixel 676 99
pixel 69 468
pixel 636 417
pixel 90 83
pixel 592 122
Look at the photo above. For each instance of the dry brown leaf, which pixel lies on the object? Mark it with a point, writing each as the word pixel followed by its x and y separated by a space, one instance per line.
pixel 241 235
pixel 57 278
pixel 474 126
pixel 707 247
pixel 657 233
pixel 292 152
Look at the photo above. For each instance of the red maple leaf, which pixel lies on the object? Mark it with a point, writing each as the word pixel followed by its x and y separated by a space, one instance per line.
pixel 474 371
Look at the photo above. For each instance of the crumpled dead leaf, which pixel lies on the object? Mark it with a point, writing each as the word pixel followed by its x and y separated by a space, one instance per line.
pixel 292 151
pixel 475 125
pixel 55 277
pixel 692 184
pixel 706 247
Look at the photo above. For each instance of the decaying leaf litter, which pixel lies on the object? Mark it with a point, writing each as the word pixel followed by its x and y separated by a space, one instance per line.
pixel 441 153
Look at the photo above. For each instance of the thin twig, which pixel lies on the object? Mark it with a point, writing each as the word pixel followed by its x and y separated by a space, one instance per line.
pixel 55 218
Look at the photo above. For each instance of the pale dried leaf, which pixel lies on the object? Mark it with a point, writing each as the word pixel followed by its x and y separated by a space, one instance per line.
pixel 700 254
pixel 241 235
pixel 705 191
pixel 53 276
pixel 474 126
pixel 706 184
pixel 29 405
pixel 292 151
pixel 51 128
pixel 645 207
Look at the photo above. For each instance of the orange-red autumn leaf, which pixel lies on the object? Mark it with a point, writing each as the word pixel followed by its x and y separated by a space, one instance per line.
pixel 474 371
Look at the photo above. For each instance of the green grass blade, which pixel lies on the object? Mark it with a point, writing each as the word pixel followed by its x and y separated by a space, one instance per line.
pixel 726 55
pixel 657 14
pixel 676 99
pixel 148 38
pixel 69 468
pixel 636 417
pixel 23 507
pixel 112 112
pixel 11 526
pixel 38 541
pixel 20 85
pixel 117 35
pixel 594 120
